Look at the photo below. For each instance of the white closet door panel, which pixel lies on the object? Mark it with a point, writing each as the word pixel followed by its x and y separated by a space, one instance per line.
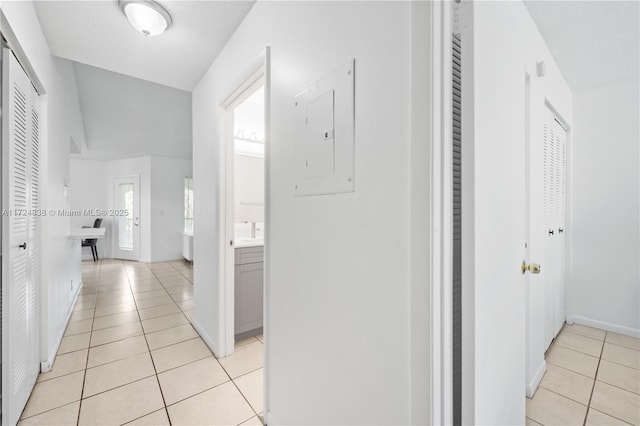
pixel 20 304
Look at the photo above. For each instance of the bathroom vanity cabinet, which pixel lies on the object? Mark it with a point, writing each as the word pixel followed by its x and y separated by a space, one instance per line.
pixel 249 270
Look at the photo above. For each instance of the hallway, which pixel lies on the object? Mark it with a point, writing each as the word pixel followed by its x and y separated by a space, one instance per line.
pixel 131 356
pixel 592 378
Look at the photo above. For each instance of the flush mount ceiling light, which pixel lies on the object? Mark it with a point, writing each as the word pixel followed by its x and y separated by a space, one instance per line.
pixel 146 16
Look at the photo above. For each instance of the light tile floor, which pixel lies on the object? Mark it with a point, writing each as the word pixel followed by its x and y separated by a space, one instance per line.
pixel 592 378
pixel 130 356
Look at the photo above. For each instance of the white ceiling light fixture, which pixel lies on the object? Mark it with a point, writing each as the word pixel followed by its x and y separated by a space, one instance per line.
pixel 146 16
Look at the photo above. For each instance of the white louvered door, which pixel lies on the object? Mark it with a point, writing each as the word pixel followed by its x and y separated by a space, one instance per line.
pixel 20 239
pixel 554 170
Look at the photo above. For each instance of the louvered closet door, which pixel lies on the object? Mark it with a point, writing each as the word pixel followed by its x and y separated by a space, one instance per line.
pixel 20 239
pixel 555 152
pixel 557 239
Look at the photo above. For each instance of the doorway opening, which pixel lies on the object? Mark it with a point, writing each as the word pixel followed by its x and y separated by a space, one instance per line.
pixel 245 210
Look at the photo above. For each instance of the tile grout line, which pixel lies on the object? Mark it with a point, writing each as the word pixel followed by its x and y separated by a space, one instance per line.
pixel 84 376
pixel 595 379
pixel 164 402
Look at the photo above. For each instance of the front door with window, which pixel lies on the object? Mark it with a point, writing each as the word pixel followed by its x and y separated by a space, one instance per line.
pixel 126 217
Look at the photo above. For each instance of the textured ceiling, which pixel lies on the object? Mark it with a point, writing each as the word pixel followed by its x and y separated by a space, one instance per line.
pixel 128 117
pixel 593 42
pixel 98 33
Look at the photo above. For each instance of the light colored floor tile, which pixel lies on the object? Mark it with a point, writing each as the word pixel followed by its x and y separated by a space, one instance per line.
pixel 260 337
pixel 572 360
pixel 159 311
pixel 222 405
pixel 113 334
pixel 54 393
pixel 74 343
pixel 245 359
pixel 146 287
pixel 113 301
pixel 62 416
pixel 171 336
pixel 82 315
pixel 188 315
pixel 186 305
pixel 157 418
pixel 596 418
pixel 179 354
pixel 251 386
pixel 154 301
pixel 549 408
pixel 253 421
pixel 621 355
pixel 78 327
pixel 81 306
pixel 122 404
pixel 621 340
pixel 150 295
pixel 65 364
pixel 117 373
pixel 115 309
pixel 115 319
pixel 618 375
pixel 190 379
pixel 579 343
pixel 160 323
pixel 567 383
pixel 583 330
pixel 616 402
pixel 117 350
pixel 180 294
pixel 246 341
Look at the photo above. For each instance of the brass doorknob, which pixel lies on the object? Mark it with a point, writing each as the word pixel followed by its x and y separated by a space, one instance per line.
pixel 534 268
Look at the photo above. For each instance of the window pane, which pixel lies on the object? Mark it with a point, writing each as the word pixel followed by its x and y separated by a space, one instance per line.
pixel 125 223
pixel 188 205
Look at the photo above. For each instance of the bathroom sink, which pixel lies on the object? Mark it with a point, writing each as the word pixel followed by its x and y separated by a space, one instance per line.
pixel 248 242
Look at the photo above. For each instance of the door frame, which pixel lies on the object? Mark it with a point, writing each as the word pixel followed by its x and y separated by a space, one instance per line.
pixel 244 91
pixel 137 230
pixel 259 74
pixel 441 213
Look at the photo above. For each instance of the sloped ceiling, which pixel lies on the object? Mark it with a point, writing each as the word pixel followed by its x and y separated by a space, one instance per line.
pixel 593 42
pixel 97 33
pixel 128 117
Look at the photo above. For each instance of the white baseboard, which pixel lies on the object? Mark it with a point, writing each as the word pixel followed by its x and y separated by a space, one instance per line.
pixel 620 329
pixel 206 338
pixel 48 363
pixel 532 386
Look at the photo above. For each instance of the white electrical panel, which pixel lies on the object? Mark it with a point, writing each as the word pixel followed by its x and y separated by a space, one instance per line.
pixel 324 132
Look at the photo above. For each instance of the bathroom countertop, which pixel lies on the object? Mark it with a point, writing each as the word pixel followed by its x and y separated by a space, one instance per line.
pixel 248 242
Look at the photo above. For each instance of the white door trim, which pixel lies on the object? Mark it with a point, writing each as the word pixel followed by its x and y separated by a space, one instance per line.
pixel 259 73
pixel 137 209
pixel 441 227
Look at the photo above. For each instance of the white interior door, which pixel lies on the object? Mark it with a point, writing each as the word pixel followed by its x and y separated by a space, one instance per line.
pixel 20 238
pixel 126 193
pixel 547 191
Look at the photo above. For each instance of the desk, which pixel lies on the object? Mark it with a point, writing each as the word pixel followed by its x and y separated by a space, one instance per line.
pixel 87 233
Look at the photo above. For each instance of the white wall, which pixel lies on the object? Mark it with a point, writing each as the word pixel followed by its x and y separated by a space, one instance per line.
pixel 604 289
pixel 60 268
pixel 505 44
pixel 167 206
pixel 338 347
pixel 88 191
pixel 161 201
pixel 249 188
